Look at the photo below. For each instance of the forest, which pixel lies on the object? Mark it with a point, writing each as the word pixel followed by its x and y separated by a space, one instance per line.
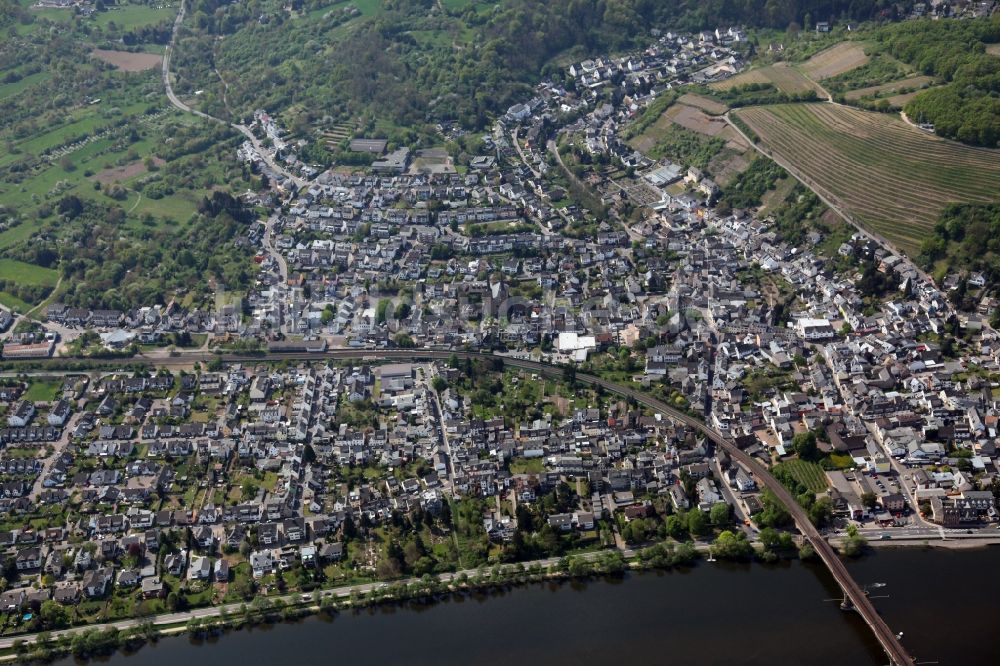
pixel 967 107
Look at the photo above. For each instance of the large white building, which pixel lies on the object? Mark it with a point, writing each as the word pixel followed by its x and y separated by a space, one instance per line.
pixel 814 329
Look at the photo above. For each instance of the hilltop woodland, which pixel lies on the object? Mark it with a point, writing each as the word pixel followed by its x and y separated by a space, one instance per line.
pixel 409 64
pixel 967 107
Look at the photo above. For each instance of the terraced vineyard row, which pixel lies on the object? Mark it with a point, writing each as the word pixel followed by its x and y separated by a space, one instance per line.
pixel 887 175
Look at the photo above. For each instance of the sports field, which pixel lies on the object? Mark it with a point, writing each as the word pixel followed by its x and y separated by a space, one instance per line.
pixel 890 176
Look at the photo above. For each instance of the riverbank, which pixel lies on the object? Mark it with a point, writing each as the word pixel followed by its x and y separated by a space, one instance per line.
pixel 697 615
pixel 106 638
pixel 103 639
pixel 968 543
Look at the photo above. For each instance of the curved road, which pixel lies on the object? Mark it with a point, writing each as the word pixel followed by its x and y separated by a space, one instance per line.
pixel 853 593
pixel 242 129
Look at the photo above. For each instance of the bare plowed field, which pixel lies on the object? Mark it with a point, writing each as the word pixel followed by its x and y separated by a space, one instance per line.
pixel 704 103
pixel 127 61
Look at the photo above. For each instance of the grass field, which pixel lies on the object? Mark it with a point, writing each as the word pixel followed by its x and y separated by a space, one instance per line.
pixel 22 273
pixel 43 390
pixel 891 177
pixel 12 302
pixel 910 83
pixel 127 17
pixel 365 7
pixel 835 60
pixel 18 86
pixel 809 474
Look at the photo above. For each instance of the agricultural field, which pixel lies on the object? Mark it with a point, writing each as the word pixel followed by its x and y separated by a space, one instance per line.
pixel 696 120
pixel 883 172
pixel 707 105
pixel 893 88
pixel 689 112
pixel 781 75
pixel 899 101
pixel 809 474
pixel 835 60
pixel 993 49
pixel 126 61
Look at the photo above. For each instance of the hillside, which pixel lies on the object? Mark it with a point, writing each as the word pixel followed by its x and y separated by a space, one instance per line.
pixel 967 106
pixel 98 175
pixel 410 62
pixel 893 178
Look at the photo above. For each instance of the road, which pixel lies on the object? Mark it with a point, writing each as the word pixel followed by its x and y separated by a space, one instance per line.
pixel 58 447
pixel 909 488
pixel 520 153
pixel 853 593
pixel 273 251
pixel 279 259
pixel 167 53
pixel 445 442
pixel 742 519
pixel 242 129
pixel 167 619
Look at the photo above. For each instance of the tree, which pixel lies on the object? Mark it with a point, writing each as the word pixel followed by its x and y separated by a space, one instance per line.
pixel 53 615
pixel 774 514
pixel 719 514
pixel 70 206
pixel 775 540
pixel 821 512
pixel 308 454
pixel 676 527
pixel 769 537
pixel 804 444
pixel 854 545
pixel 698 524
pixel 732 546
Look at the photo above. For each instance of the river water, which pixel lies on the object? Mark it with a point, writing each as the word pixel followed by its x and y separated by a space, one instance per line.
pixel 715 613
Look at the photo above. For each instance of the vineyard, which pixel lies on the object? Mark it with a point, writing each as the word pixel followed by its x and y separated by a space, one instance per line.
pixel 782 76
pixel 809 474
pixel 891 177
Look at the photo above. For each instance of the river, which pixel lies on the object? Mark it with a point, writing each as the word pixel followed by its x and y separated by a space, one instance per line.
pixel 715 613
